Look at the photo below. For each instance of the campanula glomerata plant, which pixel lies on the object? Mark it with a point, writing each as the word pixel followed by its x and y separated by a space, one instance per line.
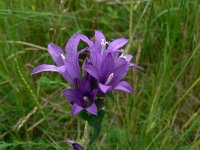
pixel 102 71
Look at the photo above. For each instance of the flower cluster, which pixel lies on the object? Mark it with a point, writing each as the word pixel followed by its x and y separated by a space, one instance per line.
pixel 102 71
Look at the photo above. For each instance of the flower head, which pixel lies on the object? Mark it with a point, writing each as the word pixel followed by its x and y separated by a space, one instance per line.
pixel 110 73
pixel 107 67
pixel 102 72
pixel 67 63
pixel 82 98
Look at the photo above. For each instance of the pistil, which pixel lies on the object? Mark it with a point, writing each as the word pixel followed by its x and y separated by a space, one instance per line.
pixel 109 78
pixel 63 58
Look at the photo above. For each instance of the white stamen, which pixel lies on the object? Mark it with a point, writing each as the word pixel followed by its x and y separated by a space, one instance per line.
pixel 63 57
pixel 122 55
pixel 85 98
pixel 103 45
pixel 103 42
pixel 109 78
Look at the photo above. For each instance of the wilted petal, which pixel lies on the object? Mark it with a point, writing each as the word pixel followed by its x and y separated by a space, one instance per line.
pixel 75 145
pixel 124 86
pixel 116 44
pixel 76 109
pixel 92 109
pixel 104 88
pixel 45 67
pixel 98 37
pixel 55 53
pixel 92 70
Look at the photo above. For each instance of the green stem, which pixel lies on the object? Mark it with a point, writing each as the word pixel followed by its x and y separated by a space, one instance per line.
pixel 85 138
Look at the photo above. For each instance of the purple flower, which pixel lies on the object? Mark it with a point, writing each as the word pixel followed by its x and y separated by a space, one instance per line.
pixel 75 145
pixel 109 73
pixel 67 63
pixel 82 98
pixel 128 59
pixel 104 70
pixel 106 66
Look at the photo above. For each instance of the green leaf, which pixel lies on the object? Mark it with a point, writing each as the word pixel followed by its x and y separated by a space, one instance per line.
pixel 95 122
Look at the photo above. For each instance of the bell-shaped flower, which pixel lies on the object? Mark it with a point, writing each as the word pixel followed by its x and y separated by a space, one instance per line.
pixel 83 97
pixel 109 73
pixel 106 66
pixel 101 46
pixel 66 63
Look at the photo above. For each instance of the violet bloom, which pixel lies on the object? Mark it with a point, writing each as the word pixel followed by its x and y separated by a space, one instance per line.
pixel 110 73
pixel 67 64
pixel 102 47
pixel 106 66
pixel 82 98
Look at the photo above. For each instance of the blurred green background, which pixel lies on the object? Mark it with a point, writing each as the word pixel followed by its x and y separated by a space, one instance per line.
pixel 164 37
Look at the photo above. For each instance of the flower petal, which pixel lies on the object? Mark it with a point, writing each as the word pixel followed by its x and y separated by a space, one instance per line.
pixel 82 50
pixel 107 67
pixel 45 67
pixel 76 109
pixel 74 65
pixel 92 109
pixel 88 41
pixel 72 95
pixel 120 61
pixel 85 87
pixel 72 45
pixel 124 86
pixel 98 37
pixel 96 59
pixel 55 53
pixel 92 70
pixel 104 88
pixel 94 93
pixel 136 66
pixel 72 70
pixel 119 73
pixel 115 53
pixel 116 44
pixel 128 58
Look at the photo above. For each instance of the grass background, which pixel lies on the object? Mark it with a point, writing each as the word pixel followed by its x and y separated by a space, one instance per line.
pixel 164 37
